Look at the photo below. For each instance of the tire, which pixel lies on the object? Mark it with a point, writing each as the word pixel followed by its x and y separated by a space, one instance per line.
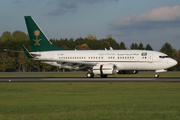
pixel 156 75
pixel 103 76
pixel 90 75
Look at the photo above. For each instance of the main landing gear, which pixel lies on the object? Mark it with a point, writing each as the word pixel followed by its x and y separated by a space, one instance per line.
pixel 103 76
pixel 90 75
pixel 156 75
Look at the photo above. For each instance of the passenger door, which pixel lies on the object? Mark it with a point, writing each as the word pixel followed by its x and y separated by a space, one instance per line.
pixel 150 57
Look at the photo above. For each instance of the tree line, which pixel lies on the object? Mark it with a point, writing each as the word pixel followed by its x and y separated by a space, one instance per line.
pixel 18 62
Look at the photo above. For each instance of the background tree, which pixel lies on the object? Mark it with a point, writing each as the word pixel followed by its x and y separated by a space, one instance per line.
pixel 3 59
pixel 37 65
pixel 91 37
pixel 148 47
pixel 178 58
pixel 64 46
pixel 122 46
pixel 167 49
pixel 82 47
pixel 6 36
pixel 112 43
pixel 109 36
pixel 10 64
pixel 22 62
pixel 141 46
pixel 105 44
pixel 46 67
pixel 19 36
pixel 134 46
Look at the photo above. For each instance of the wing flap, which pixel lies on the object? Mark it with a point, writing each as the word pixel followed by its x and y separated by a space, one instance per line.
pixel 74 64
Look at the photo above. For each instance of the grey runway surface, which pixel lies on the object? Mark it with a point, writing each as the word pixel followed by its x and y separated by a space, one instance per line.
pixel 27 79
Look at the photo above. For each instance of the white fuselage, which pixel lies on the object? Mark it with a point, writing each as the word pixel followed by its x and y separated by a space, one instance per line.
pixel 123 59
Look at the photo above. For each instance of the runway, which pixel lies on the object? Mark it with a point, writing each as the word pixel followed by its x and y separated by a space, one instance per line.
pixel 27 79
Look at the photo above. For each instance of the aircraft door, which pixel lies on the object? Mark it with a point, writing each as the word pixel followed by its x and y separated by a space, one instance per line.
pixel 52 57
pixel 150 57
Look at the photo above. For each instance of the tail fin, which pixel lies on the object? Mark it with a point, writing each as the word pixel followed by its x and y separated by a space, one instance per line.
pixel 39 41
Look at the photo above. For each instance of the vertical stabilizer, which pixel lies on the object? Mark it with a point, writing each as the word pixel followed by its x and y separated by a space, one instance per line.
pixel 39 41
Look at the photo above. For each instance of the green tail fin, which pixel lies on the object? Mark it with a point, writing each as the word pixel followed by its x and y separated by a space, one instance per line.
pixel 39 41
pixel 26 52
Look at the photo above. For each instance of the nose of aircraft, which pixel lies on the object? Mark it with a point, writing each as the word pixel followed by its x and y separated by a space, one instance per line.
pixel 172 62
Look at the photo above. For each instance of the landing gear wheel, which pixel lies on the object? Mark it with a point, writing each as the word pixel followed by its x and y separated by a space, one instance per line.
pixel 156 75
pixel 90 75
pixel 103 76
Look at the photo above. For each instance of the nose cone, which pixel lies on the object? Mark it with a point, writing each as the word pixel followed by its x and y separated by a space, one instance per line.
pixel 172 62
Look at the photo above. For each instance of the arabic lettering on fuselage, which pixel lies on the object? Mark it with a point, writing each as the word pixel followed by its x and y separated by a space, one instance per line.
pixel 129 54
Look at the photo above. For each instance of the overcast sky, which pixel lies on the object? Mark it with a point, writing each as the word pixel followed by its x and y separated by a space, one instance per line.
pixel 151 22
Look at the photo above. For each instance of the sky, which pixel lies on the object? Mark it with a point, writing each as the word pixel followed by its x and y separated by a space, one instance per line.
pixel 153 22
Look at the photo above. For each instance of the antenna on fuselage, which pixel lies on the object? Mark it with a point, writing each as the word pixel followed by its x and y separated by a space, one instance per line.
pixel 111 48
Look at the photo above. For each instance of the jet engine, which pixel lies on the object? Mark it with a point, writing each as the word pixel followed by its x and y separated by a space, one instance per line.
pixel 106 69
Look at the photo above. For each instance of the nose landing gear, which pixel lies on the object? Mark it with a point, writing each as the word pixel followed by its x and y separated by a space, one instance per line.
pixel 156 75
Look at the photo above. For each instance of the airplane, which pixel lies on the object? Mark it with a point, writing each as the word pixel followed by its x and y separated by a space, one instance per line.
pixel 96 62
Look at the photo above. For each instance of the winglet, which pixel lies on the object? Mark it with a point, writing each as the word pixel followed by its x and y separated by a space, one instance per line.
pixel 26 52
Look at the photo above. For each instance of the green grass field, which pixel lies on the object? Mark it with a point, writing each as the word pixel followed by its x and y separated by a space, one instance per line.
pixel 82 74
pixel 90 101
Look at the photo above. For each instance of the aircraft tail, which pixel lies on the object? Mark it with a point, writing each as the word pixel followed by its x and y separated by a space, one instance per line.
pixel 39 41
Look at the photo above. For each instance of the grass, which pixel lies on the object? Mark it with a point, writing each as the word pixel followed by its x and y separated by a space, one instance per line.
pixel 82 74
pixel 90 101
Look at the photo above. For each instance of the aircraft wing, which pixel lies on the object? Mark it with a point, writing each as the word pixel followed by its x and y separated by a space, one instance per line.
pixel 62 63
pixel 73 64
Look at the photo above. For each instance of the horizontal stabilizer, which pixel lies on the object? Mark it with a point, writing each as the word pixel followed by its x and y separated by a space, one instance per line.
pixel 26 52
pixel 7 50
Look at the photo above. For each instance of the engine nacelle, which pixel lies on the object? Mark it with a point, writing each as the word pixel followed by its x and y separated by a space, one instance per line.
pixel 107 69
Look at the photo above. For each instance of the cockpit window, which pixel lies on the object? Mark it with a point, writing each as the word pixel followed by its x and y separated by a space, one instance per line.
pixel 143 54
pixel 163 56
